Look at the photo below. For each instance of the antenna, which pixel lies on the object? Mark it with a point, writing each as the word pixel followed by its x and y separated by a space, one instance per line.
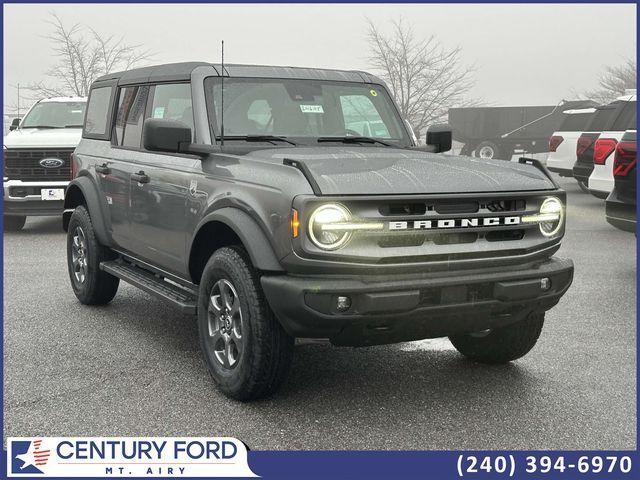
pixel 222 100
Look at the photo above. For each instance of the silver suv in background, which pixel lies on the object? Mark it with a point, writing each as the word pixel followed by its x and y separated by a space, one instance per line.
pixel 37 159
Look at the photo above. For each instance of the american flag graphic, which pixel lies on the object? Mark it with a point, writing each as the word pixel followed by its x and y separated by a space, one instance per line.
pixel 40 456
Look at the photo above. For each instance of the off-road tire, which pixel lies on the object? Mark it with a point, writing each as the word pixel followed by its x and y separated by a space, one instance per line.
pixel 267 349
pixel 98 287
pixel 501 345
pixel 14 223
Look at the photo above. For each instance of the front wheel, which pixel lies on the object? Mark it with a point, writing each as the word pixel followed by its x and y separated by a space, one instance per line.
pixel 14 223
pixel 91 285
pixel 245 348
pixel 501 345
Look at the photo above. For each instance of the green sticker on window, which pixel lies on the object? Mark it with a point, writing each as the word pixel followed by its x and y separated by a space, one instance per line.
pixel 373 93
pixel 311 109
pixel 158 112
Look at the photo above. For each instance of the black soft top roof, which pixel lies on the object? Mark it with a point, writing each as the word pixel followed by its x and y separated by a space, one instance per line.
pixel 175 72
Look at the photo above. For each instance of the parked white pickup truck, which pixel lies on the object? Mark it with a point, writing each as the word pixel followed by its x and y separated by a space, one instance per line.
pixel 37 159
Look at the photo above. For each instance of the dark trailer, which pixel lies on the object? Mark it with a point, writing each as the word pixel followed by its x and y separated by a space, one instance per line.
pixel 498 132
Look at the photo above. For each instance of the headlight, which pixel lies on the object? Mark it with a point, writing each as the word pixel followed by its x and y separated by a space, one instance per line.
pixel 550 218
pixel 320 226
pixel 552 210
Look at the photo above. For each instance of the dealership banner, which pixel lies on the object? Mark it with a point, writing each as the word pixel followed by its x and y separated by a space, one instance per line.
pixel 127 457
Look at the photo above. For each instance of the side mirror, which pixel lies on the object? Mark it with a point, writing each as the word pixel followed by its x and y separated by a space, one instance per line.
pixel 163 135
pixel 439 137
pixel 15 123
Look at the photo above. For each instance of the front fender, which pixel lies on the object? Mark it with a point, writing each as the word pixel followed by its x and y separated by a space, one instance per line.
pixel 82 190
pixel 252 236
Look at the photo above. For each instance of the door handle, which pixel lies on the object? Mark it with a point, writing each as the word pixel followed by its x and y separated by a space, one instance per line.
pixel 104 169
pixel 140 177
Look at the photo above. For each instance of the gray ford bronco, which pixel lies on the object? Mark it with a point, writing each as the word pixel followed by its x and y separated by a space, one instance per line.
pixel 278 202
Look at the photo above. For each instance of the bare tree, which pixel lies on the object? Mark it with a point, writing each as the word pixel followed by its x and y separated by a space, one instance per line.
pixel 425 77
pixel 614 81
pixel 83 55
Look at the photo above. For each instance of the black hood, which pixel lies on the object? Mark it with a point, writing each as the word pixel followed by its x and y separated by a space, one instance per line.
pixel 386 171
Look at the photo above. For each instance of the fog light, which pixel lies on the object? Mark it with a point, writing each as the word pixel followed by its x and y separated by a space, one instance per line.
pixel 343 304
pixel 545 284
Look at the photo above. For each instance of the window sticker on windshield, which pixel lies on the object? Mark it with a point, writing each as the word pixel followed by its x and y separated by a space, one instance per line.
pixel 158 112
pixel 76 111
pixel 311 109
pixel 373 93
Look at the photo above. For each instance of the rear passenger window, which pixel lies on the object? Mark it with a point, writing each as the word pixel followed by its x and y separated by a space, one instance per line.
pixel 627 118
pixel 173 101
pixel 130 116
pixel 575 122
pixel 603 117
pixel 97 116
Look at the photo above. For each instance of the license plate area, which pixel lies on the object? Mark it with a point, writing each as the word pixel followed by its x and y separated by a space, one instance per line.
pixel 52 194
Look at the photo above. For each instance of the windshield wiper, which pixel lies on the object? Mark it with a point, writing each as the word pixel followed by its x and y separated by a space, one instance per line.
pixel 73 126
pixel 40 126
pixel 259 138
pixel 353 140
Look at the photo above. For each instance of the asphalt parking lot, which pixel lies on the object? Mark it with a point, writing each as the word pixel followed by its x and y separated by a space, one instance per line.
pixel 133 367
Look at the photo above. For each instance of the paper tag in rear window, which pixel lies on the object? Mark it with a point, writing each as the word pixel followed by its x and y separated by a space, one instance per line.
pixel 311 109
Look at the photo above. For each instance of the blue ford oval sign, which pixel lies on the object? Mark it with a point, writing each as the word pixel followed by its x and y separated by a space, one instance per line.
pixel 51 162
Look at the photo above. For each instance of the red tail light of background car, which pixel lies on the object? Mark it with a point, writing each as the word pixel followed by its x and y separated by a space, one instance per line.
pixel 554 142
pixel 625 158
pixel 602 150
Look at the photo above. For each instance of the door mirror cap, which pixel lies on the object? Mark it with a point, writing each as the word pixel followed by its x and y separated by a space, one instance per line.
pixel 164 135
pixel 439 137
pixel 15 123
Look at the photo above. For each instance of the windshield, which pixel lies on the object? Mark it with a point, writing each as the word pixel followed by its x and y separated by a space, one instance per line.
pixel 55 115
pixel 304 110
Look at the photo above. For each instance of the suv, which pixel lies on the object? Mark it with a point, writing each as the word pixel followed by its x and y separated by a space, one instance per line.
pixel 253 199
pixel 37 163
pixel 611 117
pixel 620 206
pixel 601 179
pixel 562 144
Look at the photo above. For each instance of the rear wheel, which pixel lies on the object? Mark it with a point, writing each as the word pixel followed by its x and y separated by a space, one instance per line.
pixel 244 346
pixel 91 285
pixel 14 223
pixel 487 150
pixel 501 345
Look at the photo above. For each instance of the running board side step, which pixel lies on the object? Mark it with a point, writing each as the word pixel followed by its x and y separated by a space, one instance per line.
pixel 183 298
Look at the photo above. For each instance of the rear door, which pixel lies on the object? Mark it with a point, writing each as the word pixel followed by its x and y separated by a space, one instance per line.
pixel 125 144
pixel 159 201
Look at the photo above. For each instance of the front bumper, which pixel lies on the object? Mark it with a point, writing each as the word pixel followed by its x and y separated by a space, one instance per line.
pixel 20 198
pixel 408 307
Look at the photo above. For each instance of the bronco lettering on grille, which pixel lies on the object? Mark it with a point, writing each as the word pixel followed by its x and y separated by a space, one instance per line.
pixel 454 223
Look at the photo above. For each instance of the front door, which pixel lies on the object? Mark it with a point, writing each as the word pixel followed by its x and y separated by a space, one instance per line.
pixel 160 186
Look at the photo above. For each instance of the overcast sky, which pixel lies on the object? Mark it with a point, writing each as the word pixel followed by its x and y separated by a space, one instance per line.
pixel 524 54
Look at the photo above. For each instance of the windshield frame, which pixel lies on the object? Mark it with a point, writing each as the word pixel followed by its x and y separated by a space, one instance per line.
pixel 38 104
pixel 406 141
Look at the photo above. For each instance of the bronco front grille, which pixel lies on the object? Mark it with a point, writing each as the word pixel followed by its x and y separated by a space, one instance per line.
pixel 24 164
